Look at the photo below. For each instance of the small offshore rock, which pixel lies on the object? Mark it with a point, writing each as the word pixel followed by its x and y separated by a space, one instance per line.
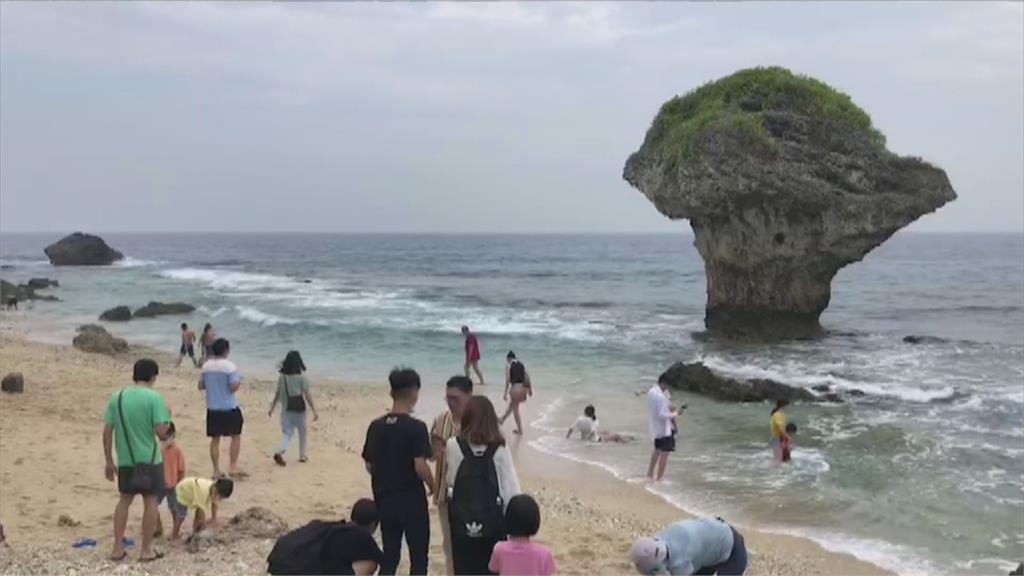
pixel 117 314
pixel 80 249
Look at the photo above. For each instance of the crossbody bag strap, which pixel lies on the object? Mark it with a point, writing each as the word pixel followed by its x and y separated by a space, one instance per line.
pixel 124 427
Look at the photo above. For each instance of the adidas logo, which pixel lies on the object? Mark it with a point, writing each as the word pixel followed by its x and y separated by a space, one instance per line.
pixel 474 529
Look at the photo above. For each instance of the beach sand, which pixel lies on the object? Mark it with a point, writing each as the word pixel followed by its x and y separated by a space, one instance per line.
pixel 51 463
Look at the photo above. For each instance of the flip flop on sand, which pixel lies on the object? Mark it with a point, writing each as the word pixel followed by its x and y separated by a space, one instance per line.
pixel 156 556
pixel 239 475
pixel 119 558
pixel 279 460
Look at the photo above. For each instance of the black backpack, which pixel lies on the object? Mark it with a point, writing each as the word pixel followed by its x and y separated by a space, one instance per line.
pixel 517 372
pixel 476 509
pixel 301 551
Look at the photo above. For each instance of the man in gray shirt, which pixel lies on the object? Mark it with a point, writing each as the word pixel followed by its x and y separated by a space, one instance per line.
pixel 698 546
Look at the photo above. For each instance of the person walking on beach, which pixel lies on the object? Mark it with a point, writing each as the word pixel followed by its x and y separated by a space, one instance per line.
pixel 518 388
pixel 472 354
pixel 778 428
pixel 293 394
pixel 188 340
pixel 660 417
pixel 206 340
pixel 447 425
pixel 483 480
pixel 220 380
pixel 136 417
pixel 698 546
pixel 396 451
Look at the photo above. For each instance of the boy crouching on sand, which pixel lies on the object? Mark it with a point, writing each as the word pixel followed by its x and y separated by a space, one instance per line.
pixel 201 495
pixel 174 472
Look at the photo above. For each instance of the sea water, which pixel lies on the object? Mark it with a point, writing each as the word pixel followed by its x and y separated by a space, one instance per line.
pixel 923 474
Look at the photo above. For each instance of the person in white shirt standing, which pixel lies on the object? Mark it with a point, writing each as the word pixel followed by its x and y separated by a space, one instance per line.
pixel 661 417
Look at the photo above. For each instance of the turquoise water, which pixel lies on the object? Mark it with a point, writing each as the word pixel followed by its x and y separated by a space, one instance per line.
pixel 926 473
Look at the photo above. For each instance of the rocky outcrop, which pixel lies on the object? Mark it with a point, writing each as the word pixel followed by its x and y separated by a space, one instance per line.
pixel 80 249
pixel 95 339
pixel 697 378
pixel 784 182
pixel 117 314
pixel 163 309
pixel 42 283
pixel 13 383
pixel 913 339
pixel 252 523
pixel 23 292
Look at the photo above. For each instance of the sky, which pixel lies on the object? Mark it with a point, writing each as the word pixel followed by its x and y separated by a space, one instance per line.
pixel 452 117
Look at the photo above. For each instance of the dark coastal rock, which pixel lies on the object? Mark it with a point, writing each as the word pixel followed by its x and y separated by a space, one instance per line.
pixel 42 283
pixel 22 292
pixel 856 393
pixel 912 339
pixel 253 523
pixel 117 314
pixel 832 398
pixel 699 379
pixel 162 309
pixel 1019 571
pixel 95 339
pixel 80 249
pixel 13 383
pixel 784 181
pixel 820 388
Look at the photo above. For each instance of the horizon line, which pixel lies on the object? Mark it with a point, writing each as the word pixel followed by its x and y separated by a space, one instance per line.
pixel 687 231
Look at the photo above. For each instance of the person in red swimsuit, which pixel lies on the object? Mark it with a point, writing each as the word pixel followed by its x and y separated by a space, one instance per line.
pixel 472 354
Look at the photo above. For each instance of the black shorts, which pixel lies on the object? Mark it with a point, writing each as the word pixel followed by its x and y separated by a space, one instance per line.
pixel 187 349
pixel 224 423
pixel 124 481
pixel 665 444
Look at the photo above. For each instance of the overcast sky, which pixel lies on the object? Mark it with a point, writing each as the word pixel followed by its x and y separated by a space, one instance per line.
pixel 457 117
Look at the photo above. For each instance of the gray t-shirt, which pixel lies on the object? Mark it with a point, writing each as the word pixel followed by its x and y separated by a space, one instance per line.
pixel 290 385
pixel 696 544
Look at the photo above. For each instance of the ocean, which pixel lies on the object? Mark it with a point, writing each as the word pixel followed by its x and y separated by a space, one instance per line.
pixel 923 474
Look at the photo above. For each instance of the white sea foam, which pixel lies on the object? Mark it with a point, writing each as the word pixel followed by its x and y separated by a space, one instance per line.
pixel 129 262
pixel 254 315
pixel 891 389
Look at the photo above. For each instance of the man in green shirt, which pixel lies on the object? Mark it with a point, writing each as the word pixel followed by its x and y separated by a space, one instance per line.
pixel 136 416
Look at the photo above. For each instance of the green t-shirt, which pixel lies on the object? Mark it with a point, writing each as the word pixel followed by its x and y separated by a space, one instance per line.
pixel 290 385
pixel 144 410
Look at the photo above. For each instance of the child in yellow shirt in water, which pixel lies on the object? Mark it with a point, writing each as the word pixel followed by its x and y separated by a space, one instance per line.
pixel 778 426
pixel 201 496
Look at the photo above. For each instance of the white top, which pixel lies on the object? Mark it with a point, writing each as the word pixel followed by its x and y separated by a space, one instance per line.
pixel 586 427
pixel 508 481
pixel 658 412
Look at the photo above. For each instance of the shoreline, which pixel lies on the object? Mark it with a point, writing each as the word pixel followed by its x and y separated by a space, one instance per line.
pixel 579 520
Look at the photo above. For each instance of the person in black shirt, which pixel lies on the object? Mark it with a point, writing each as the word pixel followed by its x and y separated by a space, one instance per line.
pixel 352 549
pixel 396 451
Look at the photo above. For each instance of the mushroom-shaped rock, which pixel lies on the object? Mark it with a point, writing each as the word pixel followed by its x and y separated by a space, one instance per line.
pixel 784 181
pixel 80 249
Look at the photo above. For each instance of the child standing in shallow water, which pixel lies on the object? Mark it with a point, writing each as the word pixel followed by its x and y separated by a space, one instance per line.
pixel 518 556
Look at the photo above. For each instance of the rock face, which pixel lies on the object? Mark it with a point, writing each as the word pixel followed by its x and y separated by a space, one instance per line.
pixel 699 379
pixel 42 283
pixel 96 339
pixel 784 181
pixel 80 249
pixel 24 292
pixel 161 309
pixel 13 383
pixel 117 314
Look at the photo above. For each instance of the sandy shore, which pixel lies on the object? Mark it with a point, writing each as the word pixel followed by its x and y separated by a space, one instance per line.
pixel 51 463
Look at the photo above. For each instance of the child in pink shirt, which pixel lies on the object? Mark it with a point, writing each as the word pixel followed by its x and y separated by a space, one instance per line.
pixel 518 556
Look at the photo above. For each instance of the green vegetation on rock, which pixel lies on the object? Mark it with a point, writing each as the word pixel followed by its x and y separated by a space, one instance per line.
pixel 738 104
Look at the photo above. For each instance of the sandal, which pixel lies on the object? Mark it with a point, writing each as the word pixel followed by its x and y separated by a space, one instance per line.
pixel 303 459
pixel 279 460
pixel 119 558
pixel 156 556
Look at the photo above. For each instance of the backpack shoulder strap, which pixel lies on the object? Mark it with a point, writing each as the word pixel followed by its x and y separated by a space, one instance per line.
pixel 489 453
pixel 467 452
